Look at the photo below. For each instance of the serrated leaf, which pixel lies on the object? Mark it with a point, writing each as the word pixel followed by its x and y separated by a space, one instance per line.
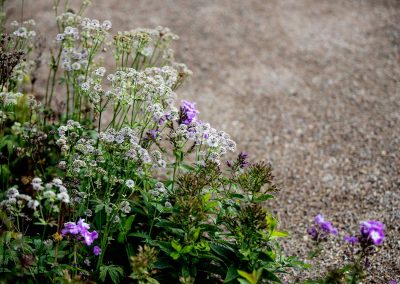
pixel 115 272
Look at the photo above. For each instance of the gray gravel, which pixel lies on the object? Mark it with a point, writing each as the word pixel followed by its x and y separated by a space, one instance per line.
pixel 310 85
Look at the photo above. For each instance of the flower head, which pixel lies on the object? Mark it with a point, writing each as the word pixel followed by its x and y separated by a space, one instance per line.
pixel 351 240
pixel 188 112
pixel 96 250
pixel 326 226
pixel 372 230
pixel 80 230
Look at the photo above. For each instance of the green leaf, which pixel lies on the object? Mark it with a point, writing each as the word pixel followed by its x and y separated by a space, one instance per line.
pixel 176 245
pixel 263 197
pixel 271 276
pixel 175 255
pixel 114 271
pixel 236 195
pixel 279 234
pixel 231 274
pixel 186 249
pixel 250 277
pixel 140 235
pixel 98 207
pixel 126 228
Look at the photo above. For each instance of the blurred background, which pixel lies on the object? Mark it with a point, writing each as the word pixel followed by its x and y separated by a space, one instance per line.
pixel 311 86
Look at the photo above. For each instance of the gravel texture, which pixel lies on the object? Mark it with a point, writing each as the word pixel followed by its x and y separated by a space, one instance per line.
pixel 310 85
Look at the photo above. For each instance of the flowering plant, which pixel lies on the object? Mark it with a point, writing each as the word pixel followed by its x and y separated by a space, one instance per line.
pixel 359 249
pixel 137 189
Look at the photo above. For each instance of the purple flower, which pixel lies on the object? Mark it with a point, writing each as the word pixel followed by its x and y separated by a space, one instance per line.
pixel 325 225
pixel 152 134
pixel 242 159
pixel 313 232
pixel 70 228
pixel 80 231
pixel 351 240
pixel 373 230
pixel 188 112
pixel 96 250
pixel 89 237
pixel 82 225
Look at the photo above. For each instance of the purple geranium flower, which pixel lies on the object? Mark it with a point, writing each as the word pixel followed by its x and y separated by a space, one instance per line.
pixel 188 112
pixel 89 237
pixel 80 231
pixel 96 250
pixel 373 230
pixel 325 225
pixel 351 240
pixel 70 228
pixel 313 232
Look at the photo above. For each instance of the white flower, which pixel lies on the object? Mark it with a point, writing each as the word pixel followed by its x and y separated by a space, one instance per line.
pixel 162 163
pixel 63 197
pixel 33 204
pixel 49 194
pixel 76 66
pixel 24 197
pixel 213 141
pixel 100 71
pixel 59 37
pixel 12 192
pixel 106 25
pixel 129 183
pixel 85 86
pixel 57 181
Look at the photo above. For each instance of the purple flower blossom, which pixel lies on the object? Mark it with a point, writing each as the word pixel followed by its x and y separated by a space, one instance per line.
pixel 188 112
pixel 80 230
pixel 313 232
pixel 372 230
pixel 70 228
pixel 152 134
pixel 242 159
pixel 351 240
pixel 326 226
pixel 89 237
pixel 96 250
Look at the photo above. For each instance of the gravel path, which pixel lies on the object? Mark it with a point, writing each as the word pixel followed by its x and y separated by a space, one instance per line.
pixel 310 85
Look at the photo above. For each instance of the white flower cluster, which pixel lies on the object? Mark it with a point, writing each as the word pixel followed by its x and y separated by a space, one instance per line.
pixel 126 139
pixel 75 52
pixel 213 143
pixel 24 31
pixel 158 161
pixel 145 42
pixel 95 25
pixel 68 19
pixel 17 201
pixel 9 98
pixel 149 91
pixel 159 190
pixel 73 60
pixel 71 125
pixel 67 132
pixel 125 207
